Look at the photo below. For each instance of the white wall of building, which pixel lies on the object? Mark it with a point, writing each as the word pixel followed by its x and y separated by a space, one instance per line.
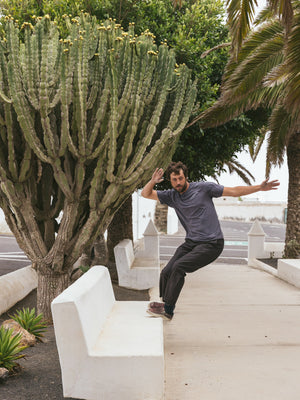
pixel 249 210
pixel 142 211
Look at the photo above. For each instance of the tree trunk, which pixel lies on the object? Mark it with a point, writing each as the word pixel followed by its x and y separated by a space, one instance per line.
pixel 100 251
pixel 50 285
pixel 161 217
pixel 120 228
pixel 292 240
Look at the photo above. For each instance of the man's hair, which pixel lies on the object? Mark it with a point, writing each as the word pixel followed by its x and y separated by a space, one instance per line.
pixel 176 167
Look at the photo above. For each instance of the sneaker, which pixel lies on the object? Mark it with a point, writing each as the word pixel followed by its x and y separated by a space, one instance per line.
pixel 159 313
pixel 154 305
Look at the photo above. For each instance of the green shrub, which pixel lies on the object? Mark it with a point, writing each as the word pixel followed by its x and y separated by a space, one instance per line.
pixel 33 323
pixel 10 348
pixel 84 268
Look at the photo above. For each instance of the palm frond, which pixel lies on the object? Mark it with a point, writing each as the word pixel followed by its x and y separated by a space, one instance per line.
pixel 259 45
pixel 225 110
pixel 240 17
pixel 284 9
pixel 220 113
pixel 264 15
pixel 271 95
pixel 281 127
pixel 267 31
pixel 252 71
pixel 236 167
pixel 254 148
pixel 244 86
pixel 277 76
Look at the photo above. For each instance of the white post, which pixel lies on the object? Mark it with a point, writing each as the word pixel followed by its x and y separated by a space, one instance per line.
pixel 172 222
pixel 256 242
pixel 151 242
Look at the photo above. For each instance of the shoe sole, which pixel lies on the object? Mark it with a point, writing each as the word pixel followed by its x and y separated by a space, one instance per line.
pixel 156 304
pixel 163 316
pixel 156 309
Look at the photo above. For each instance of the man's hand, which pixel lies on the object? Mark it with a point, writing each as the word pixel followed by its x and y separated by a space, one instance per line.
pixel 148 192
pixel 157 176
pixel 266 185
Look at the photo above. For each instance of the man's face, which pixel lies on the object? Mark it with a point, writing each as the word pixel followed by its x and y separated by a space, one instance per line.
pixel 179 181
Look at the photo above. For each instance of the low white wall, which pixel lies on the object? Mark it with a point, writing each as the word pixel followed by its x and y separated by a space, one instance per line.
pixel 3 225
pixel 249 210
pixel 15 286
pixel 289 271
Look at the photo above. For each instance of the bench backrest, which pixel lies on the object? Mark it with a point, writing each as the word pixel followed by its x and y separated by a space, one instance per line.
pixel 80 311
pixel 124 255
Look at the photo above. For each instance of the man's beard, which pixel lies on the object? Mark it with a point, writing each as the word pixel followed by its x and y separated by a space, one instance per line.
pixel 181 189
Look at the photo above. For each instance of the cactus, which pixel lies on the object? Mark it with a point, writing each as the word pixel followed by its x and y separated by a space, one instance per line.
pixel 83 121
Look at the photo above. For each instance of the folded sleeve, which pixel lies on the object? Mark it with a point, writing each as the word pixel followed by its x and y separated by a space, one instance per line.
pixel 165 197
pixel 214 189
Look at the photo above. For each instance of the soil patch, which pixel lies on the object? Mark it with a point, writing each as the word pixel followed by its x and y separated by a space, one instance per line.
pixel 272 262
pixel 40 376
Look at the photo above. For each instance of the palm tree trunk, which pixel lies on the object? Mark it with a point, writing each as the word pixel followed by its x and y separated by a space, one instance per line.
pixel 161 217
pixel 292 241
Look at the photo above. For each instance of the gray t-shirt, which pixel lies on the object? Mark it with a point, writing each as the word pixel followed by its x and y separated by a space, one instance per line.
pixel 195 209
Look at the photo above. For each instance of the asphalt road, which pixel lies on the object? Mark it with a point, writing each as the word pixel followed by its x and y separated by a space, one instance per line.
pixel 235 250
pixel 11 256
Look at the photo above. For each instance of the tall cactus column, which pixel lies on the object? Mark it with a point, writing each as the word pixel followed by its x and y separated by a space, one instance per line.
pixel 84 120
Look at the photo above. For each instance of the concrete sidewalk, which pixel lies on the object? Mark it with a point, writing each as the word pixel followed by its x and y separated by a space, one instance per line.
pixel 235 336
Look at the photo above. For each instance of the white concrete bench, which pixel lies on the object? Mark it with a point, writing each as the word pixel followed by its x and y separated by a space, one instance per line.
pixel 108 349
pixel 289 271
pixel 141 270
pixel 135 272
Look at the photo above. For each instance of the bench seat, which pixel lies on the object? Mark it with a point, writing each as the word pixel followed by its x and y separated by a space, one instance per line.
pixel 129 326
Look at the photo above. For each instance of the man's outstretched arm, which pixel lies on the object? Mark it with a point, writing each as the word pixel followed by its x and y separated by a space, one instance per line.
pixel 238 191
pixel 148 192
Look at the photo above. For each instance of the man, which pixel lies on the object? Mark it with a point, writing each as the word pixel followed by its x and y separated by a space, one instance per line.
pixel 204 240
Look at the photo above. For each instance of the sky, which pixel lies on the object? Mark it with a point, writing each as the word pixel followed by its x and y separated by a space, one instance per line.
pixel 257 169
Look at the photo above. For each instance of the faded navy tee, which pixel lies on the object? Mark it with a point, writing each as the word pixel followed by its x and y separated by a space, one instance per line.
pixel 195 209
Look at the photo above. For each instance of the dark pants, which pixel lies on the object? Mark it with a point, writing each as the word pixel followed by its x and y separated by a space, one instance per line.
pixel 189 257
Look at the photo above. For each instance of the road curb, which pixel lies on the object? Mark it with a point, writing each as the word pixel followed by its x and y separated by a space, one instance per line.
pixel 16 285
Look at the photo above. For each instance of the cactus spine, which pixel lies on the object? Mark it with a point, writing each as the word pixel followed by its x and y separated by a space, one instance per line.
pixel 83 121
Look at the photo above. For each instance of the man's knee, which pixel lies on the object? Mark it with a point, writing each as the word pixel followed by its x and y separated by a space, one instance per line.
pixel 178 269
pixel 164 273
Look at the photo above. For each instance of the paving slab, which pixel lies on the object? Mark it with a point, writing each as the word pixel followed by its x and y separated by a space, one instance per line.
pixel 235 336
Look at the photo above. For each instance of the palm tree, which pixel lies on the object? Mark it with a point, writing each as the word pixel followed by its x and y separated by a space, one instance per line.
pixel 264 71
